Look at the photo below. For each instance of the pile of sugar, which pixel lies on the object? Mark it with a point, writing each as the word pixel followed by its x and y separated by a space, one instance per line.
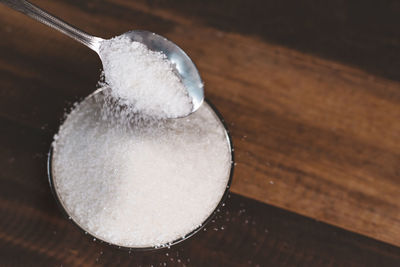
pixel 144 185
pixel 143 80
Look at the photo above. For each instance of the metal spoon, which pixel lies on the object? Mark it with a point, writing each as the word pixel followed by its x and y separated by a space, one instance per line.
pixel 188 72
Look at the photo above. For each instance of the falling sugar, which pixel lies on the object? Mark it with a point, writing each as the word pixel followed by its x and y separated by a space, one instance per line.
pixel 144 185
pixel 142 80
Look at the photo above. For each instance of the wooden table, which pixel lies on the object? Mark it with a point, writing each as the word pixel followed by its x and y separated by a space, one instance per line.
pixel 309 89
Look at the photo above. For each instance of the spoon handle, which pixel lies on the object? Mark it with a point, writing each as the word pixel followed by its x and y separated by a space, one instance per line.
pixel 35 12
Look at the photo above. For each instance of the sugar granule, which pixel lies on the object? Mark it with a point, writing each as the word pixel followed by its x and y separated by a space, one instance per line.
pixel 144 185
pixel 143 80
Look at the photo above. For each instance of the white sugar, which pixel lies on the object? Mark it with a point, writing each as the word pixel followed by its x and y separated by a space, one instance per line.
pixel 144 185
pixel 143 80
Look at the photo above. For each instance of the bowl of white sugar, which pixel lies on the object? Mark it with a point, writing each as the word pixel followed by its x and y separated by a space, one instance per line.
pixel 140 184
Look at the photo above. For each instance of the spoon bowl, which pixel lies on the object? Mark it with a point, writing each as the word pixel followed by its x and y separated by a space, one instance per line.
pixel 184 66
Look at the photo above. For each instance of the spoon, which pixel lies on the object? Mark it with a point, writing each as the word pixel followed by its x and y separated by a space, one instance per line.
pixel 186 69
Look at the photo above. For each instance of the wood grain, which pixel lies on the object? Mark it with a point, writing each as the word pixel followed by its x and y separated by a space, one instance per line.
pixel 244 233
pixel 316 127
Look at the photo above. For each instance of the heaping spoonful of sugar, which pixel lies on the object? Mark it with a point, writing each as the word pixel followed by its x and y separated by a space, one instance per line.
pixel 144 70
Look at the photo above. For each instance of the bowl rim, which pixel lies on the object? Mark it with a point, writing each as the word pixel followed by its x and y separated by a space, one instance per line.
pixel 148 248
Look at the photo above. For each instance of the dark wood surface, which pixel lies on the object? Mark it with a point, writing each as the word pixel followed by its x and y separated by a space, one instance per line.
pixel 244 233
pixel 311 94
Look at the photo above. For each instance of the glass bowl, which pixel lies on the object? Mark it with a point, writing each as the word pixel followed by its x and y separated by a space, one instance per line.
pixel 188 235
